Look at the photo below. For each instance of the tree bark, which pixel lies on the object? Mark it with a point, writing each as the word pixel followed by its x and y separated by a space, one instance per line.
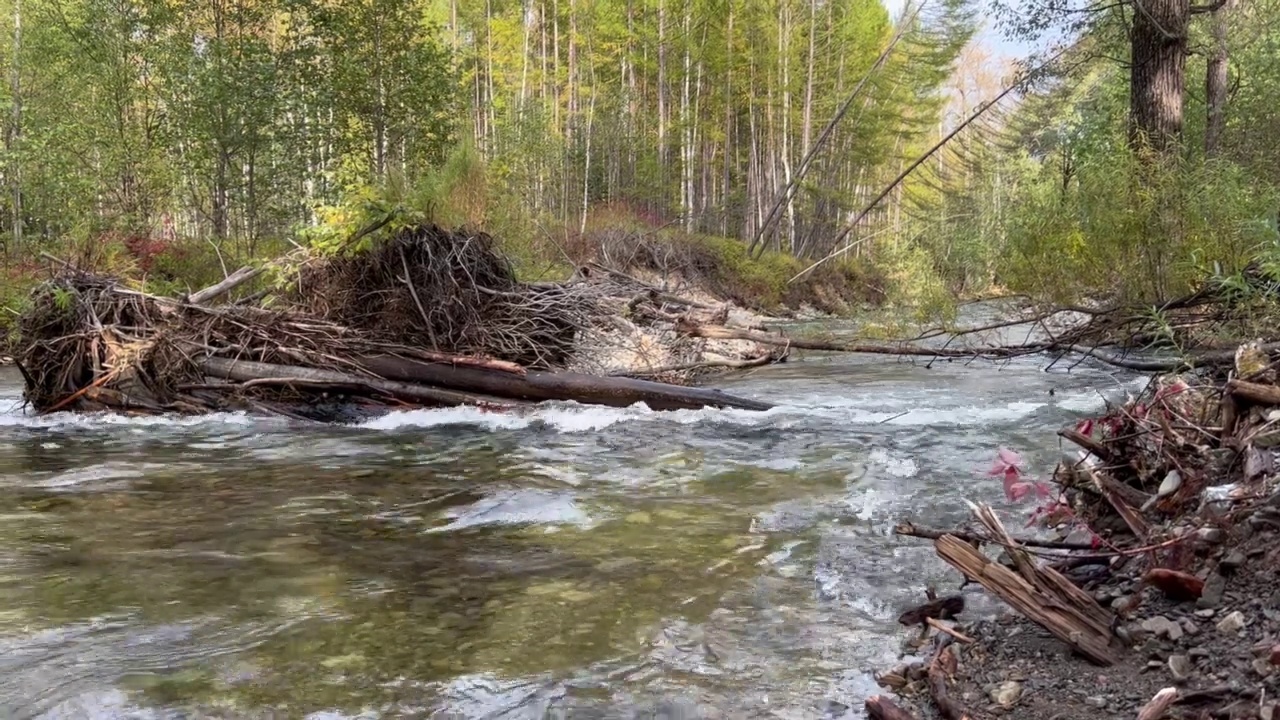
pixel 1158 43
pixel 1215 82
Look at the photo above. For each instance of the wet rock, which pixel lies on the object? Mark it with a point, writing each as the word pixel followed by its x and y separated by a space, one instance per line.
pixel 1161 626
pixel 1006 694
pixel 1214 585
pixel 1180 667
pixel 1232 623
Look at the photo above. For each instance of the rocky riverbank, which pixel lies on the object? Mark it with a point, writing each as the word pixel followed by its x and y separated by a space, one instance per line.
pixel 1175 504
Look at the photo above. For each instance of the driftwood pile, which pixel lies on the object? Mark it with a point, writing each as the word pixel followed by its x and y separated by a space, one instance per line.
pixel 425 317
pixel 1157 490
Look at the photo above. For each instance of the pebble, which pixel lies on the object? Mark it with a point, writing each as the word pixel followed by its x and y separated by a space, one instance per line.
pixel 1006 693
pixel 1232 623
pixel 1180 667
pixel 1162 626
pixel 1205 612
pixel 1190 627
pixel 1096 701
pixel 1199 652
pixel 1262 666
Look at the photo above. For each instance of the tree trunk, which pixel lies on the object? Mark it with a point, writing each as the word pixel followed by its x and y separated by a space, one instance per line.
pixel 1158 44
pixel 15 127
pixel 1215 82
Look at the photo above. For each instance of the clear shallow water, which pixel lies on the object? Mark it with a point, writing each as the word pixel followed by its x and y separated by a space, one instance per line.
pixel 566 562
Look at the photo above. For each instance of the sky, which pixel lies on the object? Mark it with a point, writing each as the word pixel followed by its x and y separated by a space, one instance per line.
pixel 990 37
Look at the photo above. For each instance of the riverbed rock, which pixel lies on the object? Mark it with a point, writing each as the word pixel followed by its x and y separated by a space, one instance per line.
pixel 1161 626
pixel 1232 561
pixel 1180 667
pixel 1006 694
pixel 1214 586
pixel 1232 623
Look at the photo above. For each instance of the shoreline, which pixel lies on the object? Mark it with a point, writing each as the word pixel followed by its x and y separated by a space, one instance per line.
pixel 1184 581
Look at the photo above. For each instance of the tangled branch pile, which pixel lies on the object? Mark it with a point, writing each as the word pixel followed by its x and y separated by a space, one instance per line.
pixel 450 292
pixel 427 317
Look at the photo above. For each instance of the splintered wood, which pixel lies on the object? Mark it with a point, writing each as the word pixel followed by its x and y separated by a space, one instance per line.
pixel 1041 594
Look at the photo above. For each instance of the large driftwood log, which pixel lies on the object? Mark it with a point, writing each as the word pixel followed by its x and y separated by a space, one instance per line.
pixel 250 373
pixel 538 386
pixel 458 385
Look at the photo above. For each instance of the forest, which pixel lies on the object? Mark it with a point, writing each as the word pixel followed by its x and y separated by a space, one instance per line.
pixel 172 141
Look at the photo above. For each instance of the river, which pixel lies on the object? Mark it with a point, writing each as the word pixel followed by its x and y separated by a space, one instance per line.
pixel 567 562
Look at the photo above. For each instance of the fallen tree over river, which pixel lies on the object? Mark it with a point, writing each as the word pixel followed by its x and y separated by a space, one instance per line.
pixel 425 318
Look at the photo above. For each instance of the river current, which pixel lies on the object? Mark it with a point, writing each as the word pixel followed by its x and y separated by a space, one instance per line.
pixel 566 561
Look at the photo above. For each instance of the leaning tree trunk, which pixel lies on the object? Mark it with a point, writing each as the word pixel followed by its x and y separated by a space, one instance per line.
pixel 1158 42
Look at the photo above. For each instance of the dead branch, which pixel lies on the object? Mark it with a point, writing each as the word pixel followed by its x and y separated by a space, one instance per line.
pixel 704 364
pixel 940 669
pixel 231 282
pixel 912 530
pixel 940 627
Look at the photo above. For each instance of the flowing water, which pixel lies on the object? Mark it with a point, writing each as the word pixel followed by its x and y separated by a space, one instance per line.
pixel 570 561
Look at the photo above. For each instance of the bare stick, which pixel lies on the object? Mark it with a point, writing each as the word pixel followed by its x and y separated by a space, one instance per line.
pixel 937 625
pixel 235 279
pixel 912 530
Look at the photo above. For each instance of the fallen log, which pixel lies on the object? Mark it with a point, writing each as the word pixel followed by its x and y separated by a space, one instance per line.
pixel 251 373
pixel 536 386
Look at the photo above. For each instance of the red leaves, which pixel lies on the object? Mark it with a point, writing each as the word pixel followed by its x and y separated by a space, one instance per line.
pixel 1174 584
pixel 1008 467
